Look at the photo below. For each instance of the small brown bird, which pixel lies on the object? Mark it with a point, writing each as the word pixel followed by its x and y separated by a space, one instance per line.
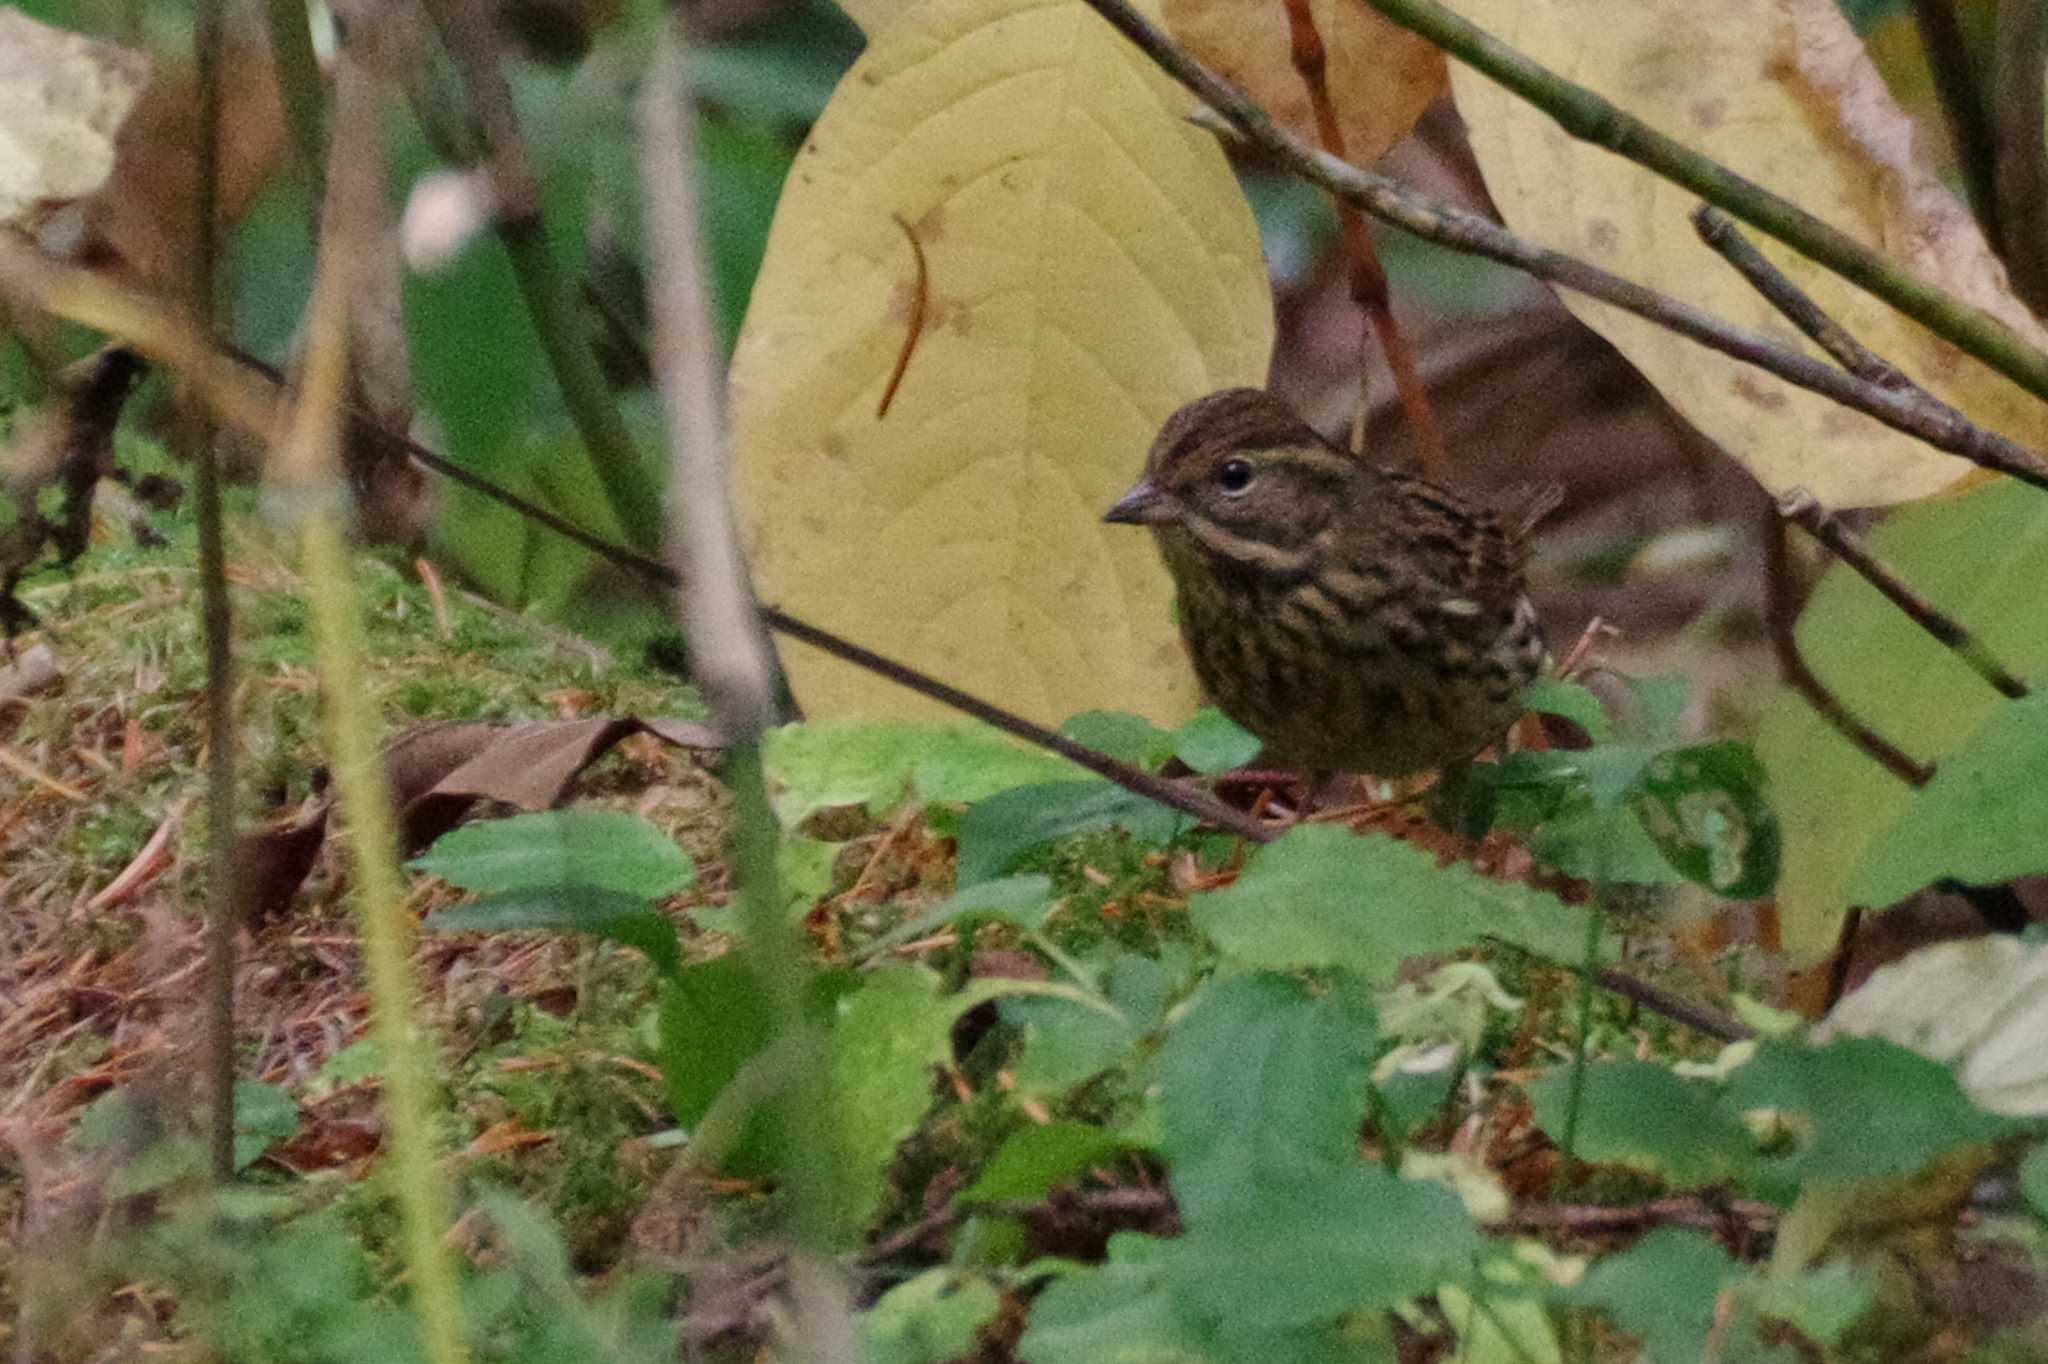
pixel 1354 618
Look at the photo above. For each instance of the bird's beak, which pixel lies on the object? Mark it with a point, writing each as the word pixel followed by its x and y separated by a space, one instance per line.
pixel 1143 505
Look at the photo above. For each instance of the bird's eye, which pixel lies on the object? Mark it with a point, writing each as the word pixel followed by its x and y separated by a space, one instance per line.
pixel 1235 475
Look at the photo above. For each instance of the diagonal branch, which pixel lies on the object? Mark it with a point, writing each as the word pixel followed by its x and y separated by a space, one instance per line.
pixel 1590 118
pixel 1939 425
pixel 1800 508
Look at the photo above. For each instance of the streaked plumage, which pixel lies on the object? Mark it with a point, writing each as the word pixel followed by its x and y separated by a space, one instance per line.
pixel 1354 618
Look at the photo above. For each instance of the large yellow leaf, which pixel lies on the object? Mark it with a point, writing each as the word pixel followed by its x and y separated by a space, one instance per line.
pixel 1982 557
pixel 1093 265
pixel 1781 91
pixel 1381 76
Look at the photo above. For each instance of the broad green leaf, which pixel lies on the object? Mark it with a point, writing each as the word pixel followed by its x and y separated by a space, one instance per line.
pixel 1262 1079
pixel 1638 1113
pixel 597 849
pixel 1092 266
pixel 1064 1043
pixel 1981 557
pixel 1306 1244
pixel 1664 1289
pixel 1823 1303
pixel 1982 820
pixel 929 1318
pixel 1120 1312
pixel 1127 738
pixel 1322 896
pixel 889 1035
pixel 2034 1180
pixel 608 914
pixel 1779 91
pixel 1506 1330
pixel 1557 696
pixel 1979 1006
pixel 1704 807
pixel 997 832
pixel 1862 1107
pixel 1033 1159
pixel 1213 742
pixel 713 1018
pixel 1025 900
pixel 265 1114
pixel 823 763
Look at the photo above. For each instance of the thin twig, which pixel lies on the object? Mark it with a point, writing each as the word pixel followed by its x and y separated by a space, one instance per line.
pixel 1719 231
pixel 216 621
pixel 730 658
pixel 1800 508
pixel 2019 107
pixel 1781 612
pixel 1590 118
pixel 1964 106
pixel 1432 219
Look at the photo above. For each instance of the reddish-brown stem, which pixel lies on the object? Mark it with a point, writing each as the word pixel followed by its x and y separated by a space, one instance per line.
pixel 914 329
pixel 1368 280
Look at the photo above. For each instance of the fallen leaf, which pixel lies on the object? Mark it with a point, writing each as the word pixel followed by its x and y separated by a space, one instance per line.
pixel 1780 91
pixel 1092 265
pixel 63 98
pixel 1381 76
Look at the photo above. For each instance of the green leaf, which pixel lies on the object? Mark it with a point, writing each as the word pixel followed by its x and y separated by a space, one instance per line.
pixel 1980 555
pixel 998 831
pixel 1823 1303
pixel 1638 1113
pixel 1324 897
pixel 608 914
pixel 1033 1159
pixel 1664 1289
pixel 1119 1313
pixel 1261 1076
pixel 2034 1180
pixel 1982 820
pixel 1025 900
pixel 1294 1247
pixel 264 1115
pixel 1556 696
pixel 932 1317
pixel 713 1018
pixel 1704 808
pixel 599 849
pixel 1127 738
pixel 825 763
pixel 1871 1107
pixel 888 1037
pixel 1213 742
pixel 1064 1043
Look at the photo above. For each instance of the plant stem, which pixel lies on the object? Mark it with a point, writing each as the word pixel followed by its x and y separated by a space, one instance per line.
pixel 307 472
pixel 1590 118
pixel 2019 60
pixel 216 623
pixel 299 85
pixel 1596 917
pixel 1963 104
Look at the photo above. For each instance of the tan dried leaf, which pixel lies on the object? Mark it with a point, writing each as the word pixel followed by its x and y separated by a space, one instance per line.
pixel 1381 76
pixel 63 98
